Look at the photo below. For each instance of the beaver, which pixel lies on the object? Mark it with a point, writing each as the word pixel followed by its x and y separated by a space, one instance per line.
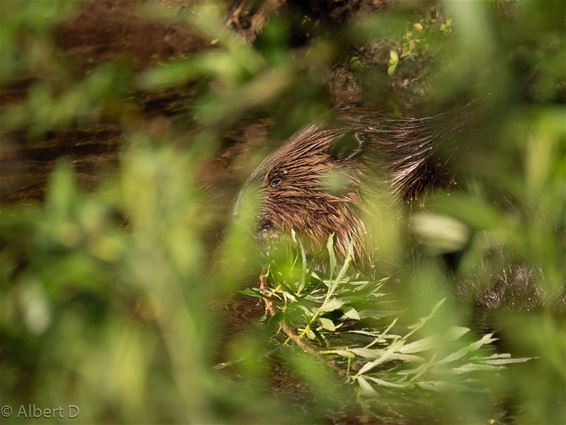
pixel 368 150
pixel 361 147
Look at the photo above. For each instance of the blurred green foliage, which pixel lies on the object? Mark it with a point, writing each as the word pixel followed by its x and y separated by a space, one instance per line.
pixel 109 299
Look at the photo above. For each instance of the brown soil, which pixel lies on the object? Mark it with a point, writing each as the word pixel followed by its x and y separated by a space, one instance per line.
pixel 110 29
pixel 24 170
pixel 102 30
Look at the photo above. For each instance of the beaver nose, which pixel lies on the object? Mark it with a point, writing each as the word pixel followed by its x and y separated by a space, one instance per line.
pixel 265 225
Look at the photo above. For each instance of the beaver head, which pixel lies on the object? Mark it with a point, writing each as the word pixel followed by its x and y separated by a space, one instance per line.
pixel 295 193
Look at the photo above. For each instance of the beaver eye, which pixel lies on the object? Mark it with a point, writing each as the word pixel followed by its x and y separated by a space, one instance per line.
pixel 275 182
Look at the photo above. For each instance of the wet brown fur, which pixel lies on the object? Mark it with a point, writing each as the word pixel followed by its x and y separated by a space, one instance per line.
pixel 410 155
pixel 401 151
pixel 300 203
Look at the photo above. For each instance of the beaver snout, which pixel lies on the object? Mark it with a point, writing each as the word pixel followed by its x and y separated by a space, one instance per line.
pixel 266 230
pixel 265 225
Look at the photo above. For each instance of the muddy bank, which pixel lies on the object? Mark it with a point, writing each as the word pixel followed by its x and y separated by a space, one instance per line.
pixel 99 32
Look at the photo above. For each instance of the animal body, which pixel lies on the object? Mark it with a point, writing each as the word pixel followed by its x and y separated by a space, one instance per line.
pixel 366 150
pixel 360 148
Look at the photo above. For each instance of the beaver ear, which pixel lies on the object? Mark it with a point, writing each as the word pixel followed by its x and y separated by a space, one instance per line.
pixel 347 146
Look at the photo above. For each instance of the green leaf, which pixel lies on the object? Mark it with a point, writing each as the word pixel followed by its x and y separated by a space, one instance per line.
pixel 507 361
pixel 386 383
pixel 367 352
pixel 250 292
pixel 309 333
pixel 333 304
pixel 366 388
pixel 424 344
pixel 475 367
pixel 327 324
pixel 486 339
pixel 441 386
pixel 386 356
pixel 393 62
pixel 343 353
pixel 352 314
pixel 331 255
